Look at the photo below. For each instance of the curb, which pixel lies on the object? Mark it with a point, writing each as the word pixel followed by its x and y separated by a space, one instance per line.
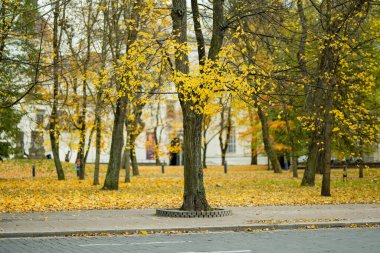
pixel 247 228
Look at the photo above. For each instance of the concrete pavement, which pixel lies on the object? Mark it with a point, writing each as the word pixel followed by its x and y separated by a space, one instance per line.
pixel 243 218
pixel 363 240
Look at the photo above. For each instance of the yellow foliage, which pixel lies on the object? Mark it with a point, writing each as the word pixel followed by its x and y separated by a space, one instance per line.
pixel 242 186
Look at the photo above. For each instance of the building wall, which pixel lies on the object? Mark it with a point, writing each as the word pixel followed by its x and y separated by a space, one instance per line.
pixel 172 127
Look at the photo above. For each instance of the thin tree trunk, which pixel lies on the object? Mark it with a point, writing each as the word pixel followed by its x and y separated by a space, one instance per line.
pixel 98 140
pixel 326 76
pixel 204 153
pixel 135 166
pixel 325 191
pixel 309 174
pixel 54 133
pixel 157 139
pixel 126 164
pixel 293 158
pixel 361 168
pixel 98 107
pixel 271 153
pixel 253 138
pixel 82 137
pixel 89 144
pixel 308 178
pixel 156 146
pixel 328 121
pixel 228 128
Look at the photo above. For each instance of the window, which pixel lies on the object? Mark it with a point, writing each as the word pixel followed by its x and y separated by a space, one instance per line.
pixel 40 117
pixel 231 148
pixel 170 109
pixel 150 146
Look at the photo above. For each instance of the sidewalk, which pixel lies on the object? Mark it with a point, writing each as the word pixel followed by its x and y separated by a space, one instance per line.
pixel 117 221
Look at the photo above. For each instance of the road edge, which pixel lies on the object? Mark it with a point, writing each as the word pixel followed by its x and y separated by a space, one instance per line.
pixel 246 228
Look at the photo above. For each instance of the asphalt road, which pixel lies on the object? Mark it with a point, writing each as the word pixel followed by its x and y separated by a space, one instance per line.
pixel 310 241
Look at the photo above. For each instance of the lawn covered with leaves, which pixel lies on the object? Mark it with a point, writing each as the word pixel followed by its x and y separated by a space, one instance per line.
pixel 242 186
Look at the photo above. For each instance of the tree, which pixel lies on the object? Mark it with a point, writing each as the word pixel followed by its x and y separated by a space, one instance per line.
pixel 191 100
pixel 112 177
pixel 341 42
pixel 10 118
pixel 225 126
pixel 53 123
pixel 19 52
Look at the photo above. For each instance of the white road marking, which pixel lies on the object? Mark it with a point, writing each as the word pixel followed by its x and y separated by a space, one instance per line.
pixel 229 251
pixel 133 243
pixel 101 244
pixel 147 243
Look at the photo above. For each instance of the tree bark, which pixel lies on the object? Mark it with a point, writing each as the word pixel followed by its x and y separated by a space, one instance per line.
pixel 89 144
pixel 325 191
pixel 98 138
pixel 204 153
pixel 54 133
pixel 361 165
pixel 157 136
pixel 82 137
pixel 253 138
pixel 293 157
pixel 194 192
pixel 135 166
pixel 308 178
pixel 126 164
pixel 227 129
pixel 271 153
pixel 112 177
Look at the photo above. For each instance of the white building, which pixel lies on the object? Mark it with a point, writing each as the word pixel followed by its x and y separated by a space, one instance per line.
pixel 36 143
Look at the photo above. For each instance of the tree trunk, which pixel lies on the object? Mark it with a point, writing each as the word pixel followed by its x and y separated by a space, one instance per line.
pixel 204 153
pixel 294 164
pixel 327 146
pixel 328 121
pixel 135 166
pixel 309 174
pixel 98 141
pixel 228 128
pixel 126 163
pixel 253 157
pixel 89 144
pixel 361 169
pixel 54 133
pixel 194 192
pixel 157 137
pixel 293 158
pixel 271 153
pixel 98 107
pixel 112 177
pixel 156 146
pixel 253 138
pixel 308 178
pixel 82 137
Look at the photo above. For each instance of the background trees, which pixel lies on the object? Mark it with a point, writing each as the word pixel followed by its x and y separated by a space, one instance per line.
pixel 308 67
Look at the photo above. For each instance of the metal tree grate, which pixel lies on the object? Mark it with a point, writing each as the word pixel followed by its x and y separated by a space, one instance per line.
pixel 176 213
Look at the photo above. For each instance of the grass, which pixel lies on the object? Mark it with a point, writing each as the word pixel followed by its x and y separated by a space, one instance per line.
pixel 242 186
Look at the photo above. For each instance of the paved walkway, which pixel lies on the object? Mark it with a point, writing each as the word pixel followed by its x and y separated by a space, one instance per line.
pixel 117 221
